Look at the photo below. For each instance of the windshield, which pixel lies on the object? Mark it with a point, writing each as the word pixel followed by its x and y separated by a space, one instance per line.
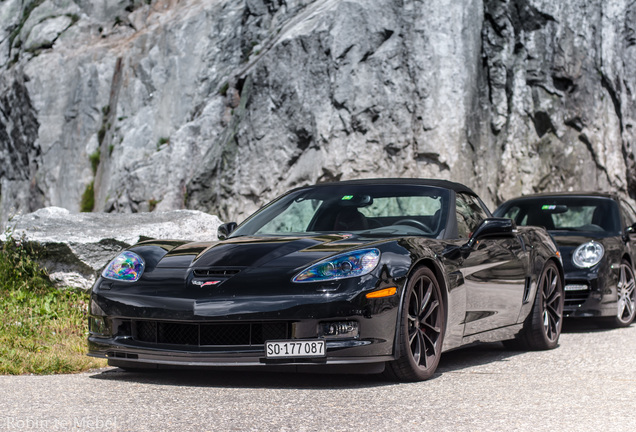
pixel 372 209
pixel 578 214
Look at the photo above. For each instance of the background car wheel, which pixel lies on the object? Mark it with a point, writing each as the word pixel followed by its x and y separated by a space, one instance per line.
pixel 542 328
pixel 626 297
pixel 421 329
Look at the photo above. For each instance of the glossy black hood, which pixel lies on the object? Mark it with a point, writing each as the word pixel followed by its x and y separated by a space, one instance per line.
pixel 289 252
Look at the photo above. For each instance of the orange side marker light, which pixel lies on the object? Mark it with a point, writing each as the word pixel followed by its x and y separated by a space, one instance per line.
pixel 386 292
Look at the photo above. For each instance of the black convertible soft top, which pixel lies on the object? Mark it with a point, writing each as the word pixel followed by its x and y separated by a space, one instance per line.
pixel 457 187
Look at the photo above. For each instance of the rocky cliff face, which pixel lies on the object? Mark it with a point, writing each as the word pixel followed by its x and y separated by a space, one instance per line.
pixel 220 105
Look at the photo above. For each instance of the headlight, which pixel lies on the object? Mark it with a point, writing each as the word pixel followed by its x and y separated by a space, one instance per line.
pixel 127 267
pixel 357 263
pixel 588 254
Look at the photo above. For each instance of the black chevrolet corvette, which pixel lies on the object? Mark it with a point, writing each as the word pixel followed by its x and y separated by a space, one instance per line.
pixel 380 273
pixel 596 235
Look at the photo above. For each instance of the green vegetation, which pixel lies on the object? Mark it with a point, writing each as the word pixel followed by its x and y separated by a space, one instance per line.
pixel 88 198
pixel 94 158
pixel 42 329
pixel 162 141
pixel 74 18
pixel 248 50
pixel 101 134
pixel 224 88
pixel 152 204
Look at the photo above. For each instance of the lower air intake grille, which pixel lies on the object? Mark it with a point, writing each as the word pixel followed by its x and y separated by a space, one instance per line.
pixel 574 300
pixel 209 334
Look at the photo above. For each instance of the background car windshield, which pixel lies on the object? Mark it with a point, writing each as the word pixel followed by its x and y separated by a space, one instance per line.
pixel 579 214
pixel 380 209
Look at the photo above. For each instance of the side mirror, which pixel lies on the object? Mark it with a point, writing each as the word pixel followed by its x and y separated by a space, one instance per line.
pixel 488 228
pixel 493 227
pixel 225 230
pixel 630 230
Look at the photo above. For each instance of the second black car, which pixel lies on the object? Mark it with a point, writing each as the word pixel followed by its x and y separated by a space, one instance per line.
pixel 596 236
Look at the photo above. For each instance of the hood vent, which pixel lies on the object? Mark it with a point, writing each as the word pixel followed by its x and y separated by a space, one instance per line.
pixel 216 272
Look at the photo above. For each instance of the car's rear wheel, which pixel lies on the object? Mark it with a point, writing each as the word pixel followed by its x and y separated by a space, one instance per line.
pixel 626 300
pixel 542 327
pixel 421 330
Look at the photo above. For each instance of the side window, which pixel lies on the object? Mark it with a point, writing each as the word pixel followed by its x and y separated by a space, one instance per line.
pixel 469 214
pixel 512 213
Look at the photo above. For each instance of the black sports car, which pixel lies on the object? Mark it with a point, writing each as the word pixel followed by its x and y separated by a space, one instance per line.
pixel 596 235
pixel 371 273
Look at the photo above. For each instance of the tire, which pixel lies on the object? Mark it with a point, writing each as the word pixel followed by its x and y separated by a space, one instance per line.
pixel 421 331
pixel 626 298
pixel 542 327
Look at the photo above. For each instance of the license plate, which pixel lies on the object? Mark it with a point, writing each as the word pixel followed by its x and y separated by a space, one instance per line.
pixel 295 348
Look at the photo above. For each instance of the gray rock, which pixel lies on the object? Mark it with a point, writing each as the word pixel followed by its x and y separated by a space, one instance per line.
pixel 45 33
pixel 75 247
pixel 221 106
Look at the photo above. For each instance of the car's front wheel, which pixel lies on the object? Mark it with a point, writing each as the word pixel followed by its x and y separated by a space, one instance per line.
pixel 421 330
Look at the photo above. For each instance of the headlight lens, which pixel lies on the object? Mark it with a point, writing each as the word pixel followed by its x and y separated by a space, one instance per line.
pixel 357 263
pixel 127 267
pixel 588 254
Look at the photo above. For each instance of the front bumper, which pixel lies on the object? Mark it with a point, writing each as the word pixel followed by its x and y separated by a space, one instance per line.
pixel 597 299
pixel 180 335
pixel 338 353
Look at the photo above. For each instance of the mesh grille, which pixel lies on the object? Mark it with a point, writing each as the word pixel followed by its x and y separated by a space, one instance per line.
pixel 209 334
pixel 268 331
pixel 225 334
pixel 182 334
pixel 147 331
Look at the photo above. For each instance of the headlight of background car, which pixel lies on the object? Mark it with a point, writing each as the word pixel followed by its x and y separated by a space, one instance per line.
pixel 127 267
pixel 588 254
pixel 357 263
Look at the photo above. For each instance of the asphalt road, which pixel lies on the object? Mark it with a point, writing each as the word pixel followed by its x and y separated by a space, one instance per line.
pixel 587 384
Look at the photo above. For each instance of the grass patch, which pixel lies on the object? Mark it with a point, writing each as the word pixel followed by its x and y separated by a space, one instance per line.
pixel 101 134
pixel 88 198
pixel 162 141
pixel 152 204
pixel 94 158
pixel 42 329
pixel 224 88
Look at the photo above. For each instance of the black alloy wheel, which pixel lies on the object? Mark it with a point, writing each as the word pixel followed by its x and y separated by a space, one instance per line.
pixel 542 328
pixel 626 296
pixel 421 329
